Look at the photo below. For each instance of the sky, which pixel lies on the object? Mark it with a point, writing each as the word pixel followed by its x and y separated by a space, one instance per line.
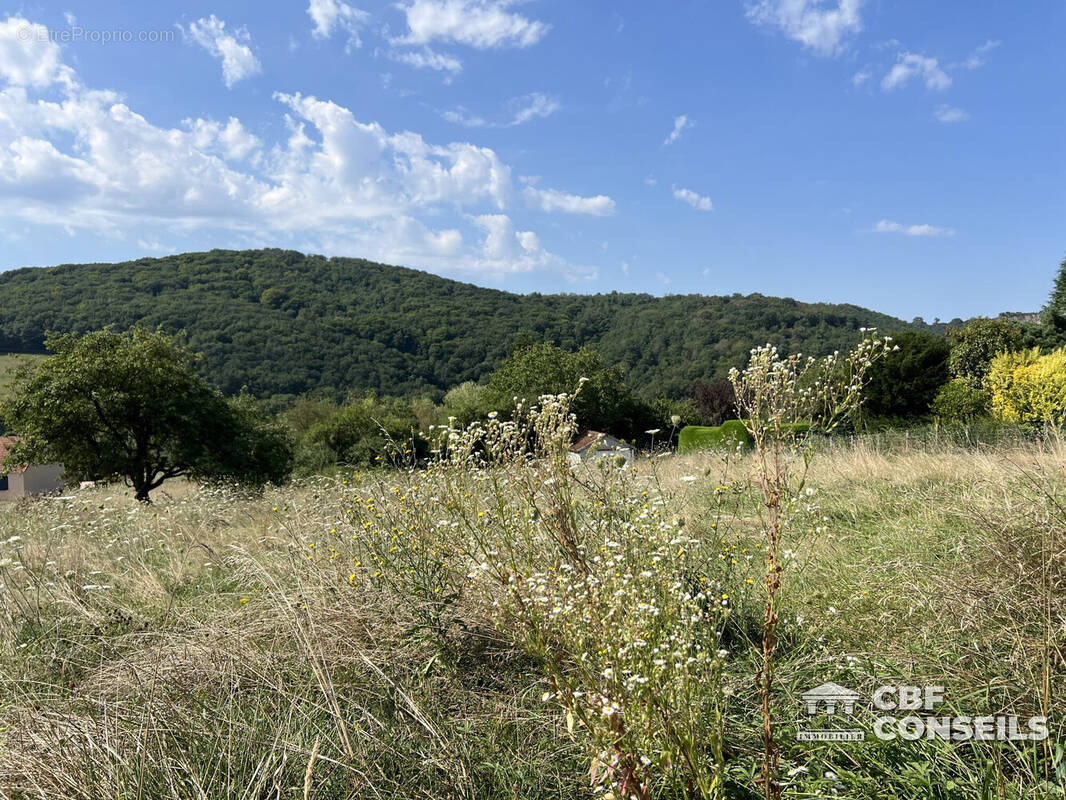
pixel 905 156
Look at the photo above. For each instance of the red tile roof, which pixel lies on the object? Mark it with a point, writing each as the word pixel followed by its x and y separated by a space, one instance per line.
pixel 586 440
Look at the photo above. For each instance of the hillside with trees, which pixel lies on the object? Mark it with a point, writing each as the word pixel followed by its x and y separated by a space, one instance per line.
pixel 280 323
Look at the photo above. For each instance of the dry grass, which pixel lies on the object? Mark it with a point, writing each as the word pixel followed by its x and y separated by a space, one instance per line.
pixel 204 648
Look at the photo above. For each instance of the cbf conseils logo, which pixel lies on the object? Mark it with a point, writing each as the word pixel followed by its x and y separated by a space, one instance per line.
pixel 907 722
pixel 829 698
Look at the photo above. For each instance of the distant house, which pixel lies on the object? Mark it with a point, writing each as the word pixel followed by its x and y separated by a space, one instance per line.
pixel 595 445
pixel 34 479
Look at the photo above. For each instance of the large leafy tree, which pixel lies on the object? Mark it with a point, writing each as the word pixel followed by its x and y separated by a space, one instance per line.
pixel 975 345
pixel 905 384
pixel 1054 315
pixel 716 401
pixel 130 406
pixel 604 403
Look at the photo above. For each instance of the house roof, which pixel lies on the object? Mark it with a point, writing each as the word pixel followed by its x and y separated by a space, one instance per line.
pixel 6 443
pixel 586 440
pixel 593 437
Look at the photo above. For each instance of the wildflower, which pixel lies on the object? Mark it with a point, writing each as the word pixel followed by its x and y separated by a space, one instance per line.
pixel 245 600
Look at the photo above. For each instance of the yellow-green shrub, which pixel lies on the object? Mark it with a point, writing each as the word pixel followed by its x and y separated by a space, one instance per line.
pixel 1029 387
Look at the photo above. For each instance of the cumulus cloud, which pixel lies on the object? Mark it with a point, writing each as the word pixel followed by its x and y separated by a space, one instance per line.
pixel 232 140
pixel 238 60
pixel 28 57
pixel 913 65
pixel 505 249
pixel 553 200
pixel 887 226
pixel 950 114
pixel 697 201
pixel 819 25
pixel 331 15
pixel 482 24
pixel 331 182
pixel 680 123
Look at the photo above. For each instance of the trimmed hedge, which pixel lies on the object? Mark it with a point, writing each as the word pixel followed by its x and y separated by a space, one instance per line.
pixel 728 436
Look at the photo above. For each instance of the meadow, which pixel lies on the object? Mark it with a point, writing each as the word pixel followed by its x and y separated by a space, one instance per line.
pixel 417 632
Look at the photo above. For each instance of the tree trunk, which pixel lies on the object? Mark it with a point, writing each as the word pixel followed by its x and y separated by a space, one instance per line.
pixel 142 494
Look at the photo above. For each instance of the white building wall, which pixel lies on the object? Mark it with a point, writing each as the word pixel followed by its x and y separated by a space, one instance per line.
pixel 37 479
pixel 42 478
pixel 14 487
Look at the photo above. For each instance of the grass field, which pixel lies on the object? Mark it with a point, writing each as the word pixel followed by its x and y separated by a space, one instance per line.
pixel 8 364
pixel 215 645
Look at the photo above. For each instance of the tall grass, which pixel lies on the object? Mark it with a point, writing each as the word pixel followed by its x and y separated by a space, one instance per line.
pixel 218 645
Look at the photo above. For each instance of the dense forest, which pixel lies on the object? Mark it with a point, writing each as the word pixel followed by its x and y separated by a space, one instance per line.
pixel 281 323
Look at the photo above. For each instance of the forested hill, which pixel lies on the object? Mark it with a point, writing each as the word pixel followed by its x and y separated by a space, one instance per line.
pixel 280 322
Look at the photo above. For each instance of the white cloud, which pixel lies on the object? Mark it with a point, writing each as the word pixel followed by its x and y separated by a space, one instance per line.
pixel 460 116
pixel 533 106
pixel 950 114
pixel 232 141
pixel 680 123
pixel 697 201
pixel 27 56
pixel 819 25
pixel 553 200
pixel 482 24
pixel 86 162
pixel 330 15
pixel 506 250
pixel 860 77
pixel 427 58
pixel 977 57
pixel 238 61
pixel 913 65
pixel 523 109
pixel 887 226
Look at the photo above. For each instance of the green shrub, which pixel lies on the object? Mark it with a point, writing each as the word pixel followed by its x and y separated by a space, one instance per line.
pixel 960 400
pixel 728 435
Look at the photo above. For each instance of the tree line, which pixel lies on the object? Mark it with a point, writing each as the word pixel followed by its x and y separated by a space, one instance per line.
pixel 279 324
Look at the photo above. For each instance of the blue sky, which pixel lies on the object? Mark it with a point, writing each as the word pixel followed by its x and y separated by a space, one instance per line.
pixel 905 156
